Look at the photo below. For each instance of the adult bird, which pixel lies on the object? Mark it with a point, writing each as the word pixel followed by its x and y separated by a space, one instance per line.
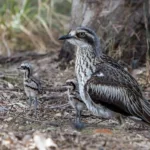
pixel 32 86
pixel 105 87
pixel 75 101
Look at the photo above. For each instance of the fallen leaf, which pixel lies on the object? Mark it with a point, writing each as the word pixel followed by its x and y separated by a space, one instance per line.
pixel 10 85
pixel 50 143
pixel 26 139
pixel 58 115
pixel 42 143
pixel 102 131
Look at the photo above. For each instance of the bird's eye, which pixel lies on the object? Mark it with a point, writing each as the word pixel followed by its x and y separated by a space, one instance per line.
pixel 81 34
pixel 23 67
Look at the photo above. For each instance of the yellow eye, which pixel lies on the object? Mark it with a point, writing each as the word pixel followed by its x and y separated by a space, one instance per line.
pixel 81 34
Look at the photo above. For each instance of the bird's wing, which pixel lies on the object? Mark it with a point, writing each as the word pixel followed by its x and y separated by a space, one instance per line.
pixel 34 84
pixel 116 89
pixel 38 84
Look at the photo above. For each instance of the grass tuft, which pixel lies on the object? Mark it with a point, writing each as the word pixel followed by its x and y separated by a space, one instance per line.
pixel 32 25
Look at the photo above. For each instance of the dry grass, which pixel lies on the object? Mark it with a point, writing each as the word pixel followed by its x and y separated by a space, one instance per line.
pixel 29 25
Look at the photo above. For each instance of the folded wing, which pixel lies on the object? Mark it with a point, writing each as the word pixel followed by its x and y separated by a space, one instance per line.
pixel 34 84
pixel 116 89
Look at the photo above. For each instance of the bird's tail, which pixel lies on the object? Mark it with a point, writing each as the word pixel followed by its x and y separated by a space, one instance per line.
pixel 145 111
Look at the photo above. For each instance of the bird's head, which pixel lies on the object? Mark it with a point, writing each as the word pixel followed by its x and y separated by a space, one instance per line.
pixel 25 67
pixel 82 37
pixel 71 84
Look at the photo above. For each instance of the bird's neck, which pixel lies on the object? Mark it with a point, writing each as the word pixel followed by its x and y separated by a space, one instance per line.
pixel 27 74
pixel 85 64
pixel 86 51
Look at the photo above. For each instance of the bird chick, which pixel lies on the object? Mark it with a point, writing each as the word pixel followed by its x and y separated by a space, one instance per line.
pixel 75 101
pixel 32 86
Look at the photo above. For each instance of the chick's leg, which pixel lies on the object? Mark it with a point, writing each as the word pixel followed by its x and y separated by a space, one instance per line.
pixel 78 124
pixel 35 105
pixel 29 102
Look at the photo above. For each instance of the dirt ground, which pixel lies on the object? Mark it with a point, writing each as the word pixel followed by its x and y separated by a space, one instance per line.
pixel 53 129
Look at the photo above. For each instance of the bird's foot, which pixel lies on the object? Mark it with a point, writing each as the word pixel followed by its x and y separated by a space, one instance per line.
pixel 36 114
pixel 78 125
pixel 32 113
pixel 120 127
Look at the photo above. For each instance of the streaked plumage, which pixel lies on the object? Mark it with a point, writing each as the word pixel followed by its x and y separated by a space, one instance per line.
pixel 105 87
pixel 32 86
pixel 75 99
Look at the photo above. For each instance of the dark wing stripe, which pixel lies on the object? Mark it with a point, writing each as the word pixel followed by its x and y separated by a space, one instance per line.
pixel 138 108
pixel 117 74
pixel 146 113
pixel 37 82
pixel 116 89
pixel 31 87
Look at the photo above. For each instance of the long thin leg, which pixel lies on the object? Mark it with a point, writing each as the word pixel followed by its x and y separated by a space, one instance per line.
pixel 30 102
pixel 78 116
pixel 78 124
pixel 121 122
pixel 35 105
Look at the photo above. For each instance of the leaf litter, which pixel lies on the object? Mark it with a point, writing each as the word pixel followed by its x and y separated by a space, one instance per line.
pixel 52 130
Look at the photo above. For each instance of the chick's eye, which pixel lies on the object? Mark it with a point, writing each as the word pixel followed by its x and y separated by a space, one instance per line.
pixel 81 35
pixel 23 67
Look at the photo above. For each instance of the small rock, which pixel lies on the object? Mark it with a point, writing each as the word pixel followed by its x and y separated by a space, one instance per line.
pixel 26 139
pixel 58 115
pixel 8 119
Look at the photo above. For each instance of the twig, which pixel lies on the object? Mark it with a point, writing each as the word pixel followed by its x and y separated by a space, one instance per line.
pixel 7 89
pixel 6 45
pixel 42 100
pixel 61 89
pixel 58 106
pixel 2 117
pixel 53 89
pixel 38 121
pixel 19 57
pixel 13 120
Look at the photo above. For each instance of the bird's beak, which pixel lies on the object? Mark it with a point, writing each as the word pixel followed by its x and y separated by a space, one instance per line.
pixel 65 37
pixel 66 86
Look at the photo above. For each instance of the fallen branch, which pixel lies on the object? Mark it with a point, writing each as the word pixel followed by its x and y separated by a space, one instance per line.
pixel 61 89
pixel 58 106
pixel 38 121
pixel 21 57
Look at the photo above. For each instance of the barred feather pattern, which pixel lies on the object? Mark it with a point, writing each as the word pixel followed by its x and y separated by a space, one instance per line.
pixel 107 89
pixel 32 86
pixel 85 66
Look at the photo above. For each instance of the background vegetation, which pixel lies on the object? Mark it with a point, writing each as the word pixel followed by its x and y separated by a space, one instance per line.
pixel 35 25
pixel 32 24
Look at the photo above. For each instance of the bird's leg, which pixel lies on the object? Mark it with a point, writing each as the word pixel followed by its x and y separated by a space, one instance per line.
pixel 78 124
pixel 35 105
pixel 30 102
pixel 78 116
pixel 121 122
